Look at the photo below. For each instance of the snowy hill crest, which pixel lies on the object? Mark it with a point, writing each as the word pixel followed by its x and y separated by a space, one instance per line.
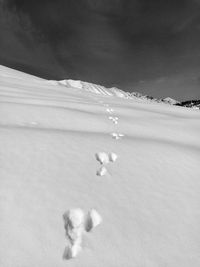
pixel 113 91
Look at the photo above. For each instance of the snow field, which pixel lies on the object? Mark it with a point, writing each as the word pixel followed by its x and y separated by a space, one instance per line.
pixel 149 202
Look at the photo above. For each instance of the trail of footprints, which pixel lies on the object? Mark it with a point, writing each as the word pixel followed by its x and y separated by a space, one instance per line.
pixel 113 119
pixel 76 223
pixel 103 157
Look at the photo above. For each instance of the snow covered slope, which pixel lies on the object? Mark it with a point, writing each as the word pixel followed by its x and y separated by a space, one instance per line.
pixel 145 186
pixel 170 100
pixel 93 88
pixel 113 91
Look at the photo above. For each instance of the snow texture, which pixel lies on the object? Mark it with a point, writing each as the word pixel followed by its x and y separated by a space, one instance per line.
pixel 149 200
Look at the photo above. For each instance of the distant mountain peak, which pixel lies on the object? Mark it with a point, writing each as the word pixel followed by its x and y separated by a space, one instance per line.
pixel 170 100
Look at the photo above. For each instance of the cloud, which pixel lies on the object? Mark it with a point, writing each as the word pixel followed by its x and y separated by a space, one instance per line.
pixel 22 45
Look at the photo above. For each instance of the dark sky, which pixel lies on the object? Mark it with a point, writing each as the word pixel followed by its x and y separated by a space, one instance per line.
pixel 150 46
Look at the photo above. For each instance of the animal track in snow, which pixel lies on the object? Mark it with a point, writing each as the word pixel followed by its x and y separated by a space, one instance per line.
pixel 110 110
pixel 101 171
pixel 113 157
pixel 76 223
pixel 117 135
pixel 114 119
pixel 74 227
pixel 102 157
pixel 92 220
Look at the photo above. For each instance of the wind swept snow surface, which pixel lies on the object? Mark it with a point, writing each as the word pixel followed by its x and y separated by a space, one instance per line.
pixel 149 199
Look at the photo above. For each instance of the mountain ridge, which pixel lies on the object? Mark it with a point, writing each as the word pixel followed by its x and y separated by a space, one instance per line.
pixel 112 91
pixel 99 89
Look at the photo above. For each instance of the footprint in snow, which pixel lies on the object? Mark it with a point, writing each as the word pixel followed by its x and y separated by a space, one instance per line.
pixel 114 119
pixel 76 223
pixel 102 157
pixel 117 136
pixel 110 110
pixel 101 171
pixel 92 219
pixel 113 157
pixel 74 227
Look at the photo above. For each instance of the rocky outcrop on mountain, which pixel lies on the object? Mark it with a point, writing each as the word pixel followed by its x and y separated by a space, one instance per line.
pixel 195 104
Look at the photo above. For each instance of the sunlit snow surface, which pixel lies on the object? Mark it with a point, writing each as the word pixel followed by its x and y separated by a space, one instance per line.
pixel 149 199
